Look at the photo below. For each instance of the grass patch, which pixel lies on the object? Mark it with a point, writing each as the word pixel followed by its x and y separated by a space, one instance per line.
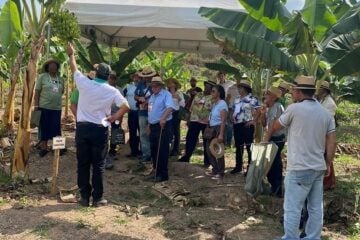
pixel 42 230
pixel 120 221
pixel 348 134
pixel 149 194
pixel 81 224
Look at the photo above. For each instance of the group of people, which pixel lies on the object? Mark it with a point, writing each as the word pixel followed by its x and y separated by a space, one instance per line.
pixel 222 110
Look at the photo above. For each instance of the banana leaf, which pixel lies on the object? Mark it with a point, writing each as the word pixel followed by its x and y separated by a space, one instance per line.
pixel 83 56
pixel 126 57
pixel 349 22
pixel 301 38
pixel 239 21
pixel 223 68
pixel 318 15
pixel 10 23
pixel 95 53
pixel 272 13
pixel 339 46
pixel 255 50
pixel 348 65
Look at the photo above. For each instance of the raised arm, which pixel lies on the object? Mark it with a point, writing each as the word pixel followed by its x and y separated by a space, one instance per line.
pixel 72 60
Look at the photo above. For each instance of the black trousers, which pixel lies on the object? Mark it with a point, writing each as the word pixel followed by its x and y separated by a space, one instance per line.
pixel 275 173
pixel 192 137
pixel 243 136
pixel 134 139
pixel 162 137
pixel 91 148
pixel 175 132
pixel 112 150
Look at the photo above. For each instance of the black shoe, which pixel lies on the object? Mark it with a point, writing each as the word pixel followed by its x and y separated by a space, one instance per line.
pixel 84 202
pixel 235 170
pixel 63 151
pixel 160 179
pixel 43 152
pixel 99 203
pixel 183 159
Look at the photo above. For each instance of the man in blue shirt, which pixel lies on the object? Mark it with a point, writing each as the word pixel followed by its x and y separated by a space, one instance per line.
pixel 160 107
pixel 142 95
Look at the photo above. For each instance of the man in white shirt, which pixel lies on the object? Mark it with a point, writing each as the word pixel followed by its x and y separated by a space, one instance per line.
pixel 311 131
pixel 93 118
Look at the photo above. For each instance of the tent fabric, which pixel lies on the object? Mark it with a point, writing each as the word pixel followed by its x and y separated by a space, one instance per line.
pixel 176 24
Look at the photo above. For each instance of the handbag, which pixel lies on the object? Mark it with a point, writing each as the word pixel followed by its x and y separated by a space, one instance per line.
pixel 35 118
pixel 117 136
pixel 208 133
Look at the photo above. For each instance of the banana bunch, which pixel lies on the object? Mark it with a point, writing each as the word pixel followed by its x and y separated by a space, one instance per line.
pixel 65 26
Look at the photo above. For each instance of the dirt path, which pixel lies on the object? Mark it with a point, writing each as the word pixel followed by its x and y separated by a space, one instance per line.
pixel 137 210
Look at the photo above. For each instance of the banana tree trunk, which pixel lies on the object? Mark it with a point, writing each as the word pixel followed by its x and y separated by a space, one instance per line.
pixel 1 93
pixel 255 76
pixel 8 118
pixel 19 164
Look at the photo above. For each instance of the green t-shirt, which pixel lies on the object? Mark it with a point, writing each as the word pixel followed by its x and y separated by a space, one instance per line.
pixel 74 97
pixel 51 91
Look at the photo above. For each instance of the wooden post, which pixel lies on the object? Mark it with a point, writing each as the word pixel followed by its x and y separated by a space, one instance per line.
pixel 54 189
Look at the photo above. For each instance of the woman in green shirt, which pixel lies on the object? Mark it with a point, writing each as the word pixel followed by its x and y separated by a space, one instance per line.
pixel 48 94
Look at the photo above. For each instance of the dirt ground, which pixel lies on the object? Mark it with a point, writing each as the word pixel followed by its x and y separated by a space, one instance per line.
pixel 137 210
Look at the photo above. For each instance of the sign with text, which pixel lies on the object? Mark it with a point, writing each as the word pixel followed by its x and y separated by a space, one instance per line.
pixel 58 143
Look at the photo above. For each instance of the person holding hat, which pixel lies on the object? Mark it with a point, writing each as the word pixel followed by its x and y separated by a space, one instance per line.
pixel 160 107
pixel 174 86
pixel 311 133
pixel 242 112
pixel 217 121
pixel 93 118
pixel 325 98
pixel 142 94
pixel 49 89
pixel 274 111
pixel 199 119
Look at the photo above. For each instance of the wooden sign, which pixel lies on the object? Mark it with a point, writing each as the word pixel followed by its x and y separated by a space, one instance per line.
pixel 58 143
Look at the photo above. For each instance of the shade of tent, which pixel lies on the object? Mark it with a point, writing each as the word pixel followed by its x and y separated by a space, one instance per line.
pixel 176 24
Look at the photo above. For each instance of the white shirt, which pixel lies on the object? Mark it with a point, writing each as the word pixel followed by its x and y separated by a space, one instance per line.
pixel 95 99
pixel 179 103
pixel 130 94
pixel 329 104
pixel 226 85
pixel 308 124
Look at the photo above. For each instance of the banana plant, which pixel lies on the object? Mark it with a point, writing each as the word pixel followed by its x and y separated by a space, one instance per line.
pixel 225 67
pixel 302 36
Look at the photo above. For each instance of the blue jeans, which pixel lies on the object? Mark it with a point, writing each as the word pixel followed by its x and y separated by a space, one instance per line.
pixel 144 138
pixel 299 186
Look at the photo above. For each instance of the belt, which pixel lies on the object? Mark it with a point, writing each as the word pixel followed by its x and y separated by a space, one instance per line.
pixel 89 124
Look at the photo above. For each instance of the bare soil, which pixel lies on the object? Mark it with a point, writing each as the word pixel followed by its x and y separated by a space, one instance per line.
pixel 137 210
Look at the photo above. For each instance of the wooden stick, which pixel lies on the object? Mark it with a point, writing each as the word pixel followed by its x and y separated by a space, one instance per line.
pixel 54 189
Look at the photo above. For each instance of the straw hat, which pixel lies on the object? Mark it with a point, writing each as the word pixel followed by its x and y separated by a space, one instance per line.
pixel 157 80
pixel 304 82
pixel 216 149
pixel 274 91
pixel 50 60
pixel 325 85
pixel 245 83
pixel 286 86
pixel 147 72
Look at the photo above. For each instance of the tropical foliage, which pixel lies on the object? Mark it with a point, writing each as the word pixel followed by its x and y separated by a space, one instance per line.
pixel 323 34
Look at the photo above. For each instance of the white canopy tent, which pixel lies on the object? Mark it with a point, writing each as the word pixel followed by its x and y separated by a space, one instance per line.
pixel 176 24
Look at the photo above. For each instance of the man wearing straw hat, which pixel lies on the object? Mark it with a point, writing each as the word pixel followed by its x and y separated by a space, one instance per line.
pixel 160 107
pixel 285 88
pixel 142 95
pixel 311 132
